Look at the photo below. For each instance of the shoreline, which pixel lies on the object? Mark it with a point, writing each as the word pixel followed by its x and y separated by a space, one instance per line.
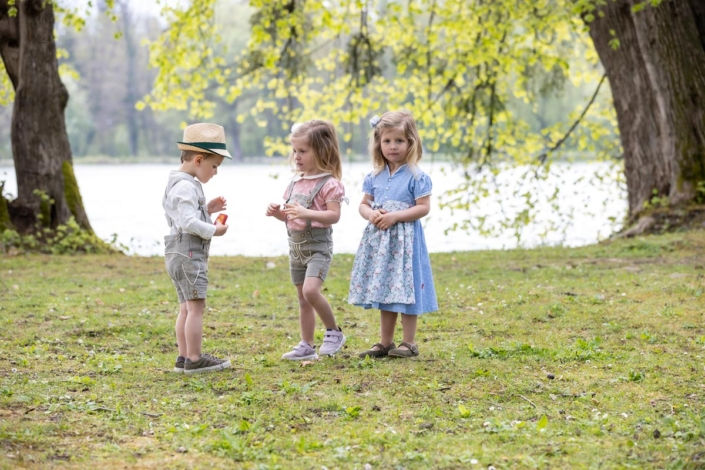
pixel 265 160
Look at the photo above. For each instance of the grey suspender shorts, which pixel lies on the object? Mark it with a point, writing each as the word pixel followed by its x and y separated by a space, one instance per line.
pixel 186 256
pixel 311 249
pixel 186 260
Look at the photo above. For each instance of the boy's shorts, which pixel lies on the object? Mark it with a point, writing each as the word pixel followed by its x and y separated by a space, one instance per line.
pixel 186 260
pixel 310 253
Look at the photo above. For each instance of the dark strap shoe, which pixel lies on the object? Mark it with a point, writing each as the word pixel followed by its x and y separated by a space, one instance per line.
pixel 412 351
pixel 381 352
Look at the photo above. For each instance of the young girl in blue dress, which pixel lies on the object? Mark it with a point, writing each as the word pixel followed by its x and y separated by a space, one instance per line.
pixel 392 270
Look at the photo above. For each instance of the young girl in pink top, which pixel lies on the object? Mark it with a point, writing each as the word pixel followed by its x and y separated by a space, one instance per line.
pixel 311 205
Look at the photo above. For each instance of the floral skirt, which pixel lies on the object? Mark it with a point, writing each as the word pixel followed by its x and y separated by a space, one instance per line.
pixel 392 270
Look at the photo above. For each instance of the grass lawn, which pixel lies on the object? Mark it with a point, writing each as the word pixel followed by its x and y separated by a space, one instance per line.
pixel 552 358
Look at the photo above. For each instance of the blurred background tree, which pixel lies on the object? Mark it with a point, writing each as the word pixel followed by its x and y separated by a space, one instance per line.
pixel 493 84
pixel 470 72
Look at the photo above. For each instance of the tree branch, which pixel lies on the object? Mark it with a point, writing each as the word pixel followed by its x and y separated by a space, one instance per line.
pixel 542 158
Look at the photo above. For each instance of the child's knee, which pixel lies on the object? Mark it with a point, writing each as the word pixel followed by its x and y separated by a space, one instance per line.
pixel 310 292
pixel 302 300
pixel 196 307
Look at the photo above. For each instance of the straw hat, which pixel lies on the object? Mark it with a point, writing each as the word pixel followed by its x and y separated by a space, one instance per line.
pixel 205 136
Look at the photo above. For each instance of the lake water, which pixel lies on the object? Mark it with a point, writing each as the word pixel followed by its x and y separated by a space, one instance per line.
pixel 125 199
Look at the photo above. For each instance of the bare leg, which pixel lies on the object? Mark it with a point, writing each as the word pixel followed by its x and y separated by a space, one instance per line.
pixel 180 324
pixel 307 317
pixel 312 295
pixel 388 322
pixel 193 328
pixel 408 324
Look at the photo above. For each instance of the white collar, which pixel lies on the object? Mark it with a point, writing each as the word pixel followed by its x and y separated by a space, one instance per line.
pixel 300 176
pixel 389 172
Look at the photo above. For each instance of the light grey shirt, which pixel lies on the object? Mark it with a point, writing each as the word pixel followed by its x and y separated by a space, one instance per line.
pixel 182 207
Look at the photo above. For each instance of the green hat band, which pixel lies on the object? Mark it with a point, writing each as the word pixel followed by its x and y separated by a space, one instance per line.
pixel 205 145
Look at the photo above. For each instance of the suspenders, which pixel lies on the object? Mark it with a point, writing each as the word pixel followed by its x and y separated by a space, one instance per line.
pixel 309 200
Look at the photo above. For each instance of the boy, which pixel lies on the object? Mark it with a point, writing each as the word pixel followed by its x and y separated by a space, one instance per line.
pixel 187 245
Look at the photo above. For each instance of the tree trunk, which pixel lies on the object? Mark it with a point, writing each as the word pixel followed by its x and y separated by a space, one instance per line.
pixel 40 145
pixel 234 131
pixel 235 128
pixel 133 93
pixel 657 75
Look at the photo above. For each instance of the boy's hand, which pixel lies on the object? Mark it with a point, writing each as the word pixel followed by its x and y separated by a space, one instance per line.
pixel 220 229
pixel 216 205
pixel 295 211
pixel 272 209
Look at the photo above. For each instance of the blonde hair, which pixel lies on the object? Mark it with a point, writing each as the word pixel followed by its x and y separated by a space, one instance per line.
pixel 403 120
pixel 323 140
pixel 188 155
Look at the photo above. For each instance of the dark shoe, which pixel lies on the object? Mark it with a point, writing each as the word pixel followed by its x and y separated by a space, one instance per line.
pixel 179 366
pixel 413 351
pixel 383 351
pixel 206 363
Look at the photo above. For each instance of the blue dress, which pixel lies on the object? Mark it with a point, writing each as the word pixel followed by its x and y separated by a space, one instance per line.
pixel 392 270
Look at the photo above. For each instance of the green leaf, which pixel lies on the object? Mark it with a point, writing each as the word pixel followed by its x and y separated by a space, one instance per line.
pixel 542 423
pixel 244 426
pixel 638 7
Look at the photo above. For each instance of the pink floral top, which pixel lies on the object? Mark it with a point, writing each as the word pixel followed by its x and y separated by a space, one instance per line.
pixel 332 191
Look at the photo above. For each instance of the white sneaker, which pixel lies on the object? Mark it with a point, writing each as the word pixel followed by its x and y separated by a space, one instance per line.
pixel 333 342
pixel 301 352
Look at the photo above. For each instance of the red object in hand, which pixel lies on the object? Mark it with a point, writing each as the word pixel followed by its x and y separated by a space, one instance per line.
pixel 221 218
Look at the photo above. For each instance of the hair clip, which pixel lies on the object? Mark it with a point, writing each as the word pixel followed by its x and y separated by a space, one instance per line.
pixel 374 121
pixel 295 126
